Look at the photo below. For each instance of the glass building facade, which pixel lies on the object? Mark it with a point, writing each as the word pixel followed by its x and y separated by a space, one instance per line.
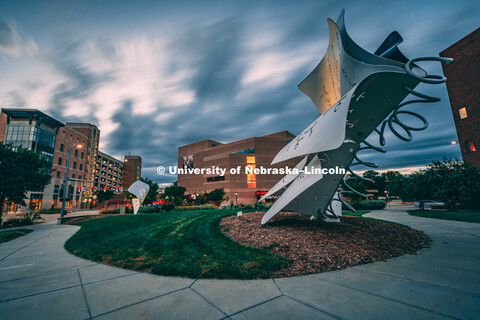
pixel 33 138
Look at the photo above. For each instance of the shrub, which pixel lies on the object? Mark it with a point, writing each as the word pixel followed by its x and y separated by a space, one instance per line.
pixel 201 207
pixel 152 209
pixel 12 223
pixel 369 205
pixel 263 206
pixel 50 211
pixel 28 219
pixel 247 208
pixel 110 211
pixel 168 206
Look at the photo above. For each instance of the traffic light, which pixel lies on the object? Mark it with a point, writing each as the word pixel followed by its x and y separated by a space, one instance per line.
pixel 91 189
pixel 79 189
pixel 104 189
pixel 116 189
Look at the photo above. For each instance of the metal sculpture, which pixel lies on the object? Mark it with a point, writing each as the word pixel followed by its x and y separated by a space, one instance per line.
pixel 356 92
pixel 140 190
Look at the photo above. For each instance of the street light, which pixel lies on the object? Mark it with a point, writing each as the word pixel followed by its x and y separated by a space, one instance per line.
pixel 65 182
pixel 236 194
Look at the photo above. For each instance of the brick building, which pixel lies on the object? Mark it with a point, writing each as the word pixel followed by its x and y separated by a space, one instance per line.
pixel 36 130
pixel 132 170
pixel 463 87
pixel 91 151
pixel 33 129
pixel 253 152
pixel 66 138
pixel 108 173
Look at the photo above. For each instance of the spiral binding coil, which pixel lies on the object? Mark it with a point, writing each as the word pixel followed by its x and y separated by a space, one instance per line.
pixel 390 121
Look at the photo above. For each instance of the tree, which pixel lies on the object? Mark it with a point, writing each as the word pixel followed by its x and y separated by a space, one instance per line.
pixel 394 181
pixel 104 195
pixel 357 185
pixel 447 180
pixel 21 170
pixel 152 193
pixel 217 196
pixel 454 181
pixel 175 194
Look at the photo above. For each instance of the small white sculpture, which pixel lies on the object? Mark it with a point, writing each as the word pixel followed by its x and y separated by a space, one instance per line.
pixel 140 190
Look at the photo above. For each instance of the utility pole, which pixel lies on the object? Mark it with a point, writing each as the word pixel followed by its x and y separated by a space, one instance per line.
pixel 65 184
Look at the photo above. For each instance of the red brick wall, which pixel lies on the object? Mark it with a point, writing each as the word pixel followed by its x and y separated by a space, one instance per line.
pixel 3 126
pixel 463 87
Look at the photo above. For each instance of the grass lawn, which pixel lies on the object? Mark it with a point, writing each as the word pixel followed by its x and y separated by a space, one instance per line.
pixel 13 234
pixel 355 214
pixel 467 216
pixel 177 243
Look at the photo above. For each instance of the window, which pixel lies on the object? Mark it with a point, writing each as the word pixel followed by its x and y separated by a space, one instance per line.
pixel 80 167
pixel 251 178
pixel 76 153
pixel 462 113
pixel 81 155
pixel 74 165
pixel 470 146
pixel 58 174
pixel 59 161
pixel 61 147
pixel 217 178
pixel 73 176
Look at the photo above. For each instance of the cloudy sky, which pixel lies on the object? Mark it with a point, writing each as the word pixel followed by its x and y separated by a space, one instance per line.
pixel 155 75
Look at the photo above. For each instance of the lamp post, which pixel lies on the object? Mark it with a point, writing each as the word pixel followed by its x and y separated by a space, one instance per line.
pixel 236 194
pixel 65 182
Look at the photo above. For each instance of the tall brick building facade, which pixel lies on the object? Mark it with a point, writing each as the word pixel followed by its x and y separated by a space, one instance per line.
pixel 89 169
pixel 132 170
pixel 253 152
pixel 464 91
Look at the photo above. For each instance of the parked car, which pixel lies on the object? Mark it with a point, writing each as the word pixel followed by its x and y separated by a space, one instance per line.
pixel 428 204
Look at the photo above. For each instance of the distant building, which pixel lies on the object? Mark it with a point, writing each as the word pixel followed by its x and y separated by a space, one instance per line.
pixel 163 186
pixel 243 188
pixel 67 137
pixel 463 87
pixel 33 129
pixel 132 170
pixel 89 170
pixel 91 149
pixel 108 173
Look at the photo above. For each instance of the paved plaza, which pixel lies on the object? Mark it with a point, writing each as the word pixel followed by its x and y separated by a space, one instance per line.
pixel 40 280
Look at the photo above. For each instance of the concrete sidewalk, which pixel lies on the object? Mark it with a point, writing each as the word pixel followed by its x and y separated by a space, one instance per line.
pixel 40 280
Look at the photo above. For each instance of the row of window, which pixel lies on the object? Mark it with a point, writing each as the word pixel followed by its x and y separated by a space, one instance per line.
pixel 75 153
pixel 80 166
pixel 33 138
pixel 73 175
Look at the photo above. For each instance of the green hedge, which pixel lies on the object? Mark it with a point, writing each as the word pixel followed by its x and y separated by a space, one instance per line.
pixel 50 211
pixel 110 211
pixel 369 205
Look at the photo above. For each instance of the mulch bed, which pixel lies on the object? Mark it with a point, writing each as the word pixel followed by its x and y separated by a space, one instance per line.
pixel 316 246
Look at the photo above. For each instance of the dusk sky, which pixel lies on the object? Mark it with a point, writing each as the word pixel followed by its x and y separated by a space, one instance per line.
pixel 155 75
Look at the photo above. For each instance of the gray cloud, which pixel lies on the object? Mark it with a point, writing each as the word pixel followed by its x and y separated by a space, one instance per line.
pixel 11 41
pixel 213 51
